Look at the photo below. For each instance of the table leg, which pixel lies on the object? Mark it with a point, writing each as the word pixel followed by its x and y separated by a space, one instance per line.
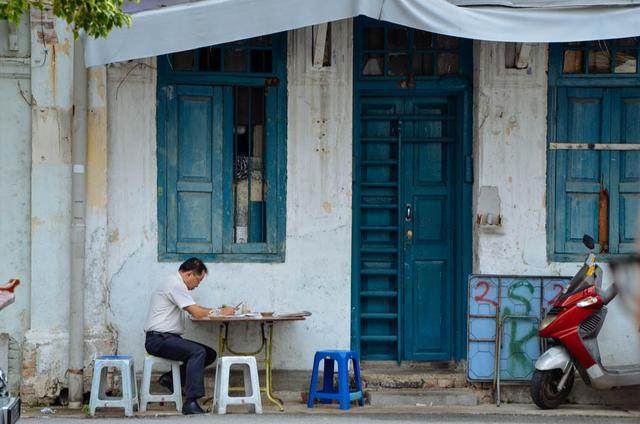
pixel 268 369
pixel 267 344
pixel 222 338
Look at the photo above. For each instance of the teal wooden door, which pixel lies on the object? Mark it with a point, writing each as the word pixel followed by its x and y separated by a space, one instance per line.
pixel 408 200
pixel 412 154
pixel 429 134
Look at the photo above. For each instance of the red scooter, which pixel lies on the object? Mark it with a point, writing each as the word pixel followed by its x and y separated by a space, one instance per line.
pixel 571 328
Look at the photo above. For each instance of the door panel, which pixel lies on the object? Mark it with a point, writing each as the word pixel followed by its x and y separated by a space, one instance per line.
pixel 428 190
pixel 194 168
pixel 583 116
pixel 378 242
pixel 430 306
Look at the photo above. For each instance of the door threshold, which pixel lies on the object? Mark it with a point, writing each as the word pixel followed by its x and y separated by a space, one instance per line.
pixel 432 366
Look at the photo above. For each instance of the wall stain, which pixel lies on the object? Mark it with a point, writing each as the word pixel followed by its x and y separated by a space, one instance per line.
pixel 327 207
pixel 114 236
pixel 36 222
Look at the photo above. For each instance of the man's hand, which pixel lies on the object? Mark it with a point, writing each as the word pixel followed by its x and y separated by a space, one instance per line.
pixel 198 312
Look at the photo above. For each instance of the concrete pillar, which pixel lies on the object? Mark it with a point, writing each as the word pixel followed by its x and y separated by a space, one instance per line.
pixel 100 337
pixel 45 352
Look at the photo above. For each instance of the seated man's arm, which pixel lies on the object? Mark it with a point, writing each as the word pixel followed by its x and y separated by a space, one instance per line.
pixel 197 311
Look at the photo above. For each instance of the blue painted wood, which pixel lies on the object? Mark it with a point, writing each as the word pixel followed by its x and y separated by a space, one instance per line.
pixel 429 184
pixel 380 309
pixel 186 225
pixel 582 115
pixel 591 109
pixel 377 227
pixel 194 159
pixel 624 197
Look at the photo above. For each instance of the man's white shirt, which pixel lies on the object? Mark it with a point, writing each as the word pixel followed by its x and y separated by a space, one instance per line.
pixel 166 311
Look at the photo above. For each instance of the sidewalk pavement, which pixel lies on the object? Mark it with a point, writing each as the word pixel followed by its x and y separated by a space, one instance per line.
pixel 299 409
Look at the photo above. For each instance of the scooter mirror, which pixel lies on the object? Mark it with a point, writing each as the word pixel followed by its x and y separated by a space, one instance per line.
pixel 588 241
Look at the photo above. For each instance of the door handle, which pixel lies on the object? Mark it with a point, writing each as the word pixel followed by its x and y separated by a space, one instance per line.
pixel 408 212
pixel 409 235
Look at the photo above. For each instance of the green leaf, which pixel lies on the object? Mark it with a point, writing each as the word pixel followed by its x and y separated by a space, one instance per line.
pixel 95 17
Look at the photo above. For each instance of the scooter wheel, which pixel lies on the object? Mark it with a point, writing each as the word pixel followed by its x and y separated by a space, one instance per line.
pixel 544 388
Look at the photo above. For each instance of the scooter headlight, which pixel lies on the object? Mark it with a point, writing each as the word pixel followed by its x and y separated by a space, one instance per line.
pixel 591 300
pixel 547 321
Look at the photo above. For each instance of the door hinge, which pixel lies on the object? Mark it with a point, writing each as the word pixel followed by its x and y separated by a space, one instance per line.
pixel 272 82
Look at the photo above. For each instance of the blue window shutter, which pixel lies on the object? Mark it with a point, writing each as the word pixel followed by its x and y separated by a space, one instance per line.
pixel 582 117
pixel 624 203
pixel 194 170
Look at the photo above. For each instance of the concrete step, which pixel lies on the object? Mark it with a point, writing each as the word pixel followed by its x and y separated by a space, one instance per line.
pixel 413 380
pixel 412 375
pixel 449 397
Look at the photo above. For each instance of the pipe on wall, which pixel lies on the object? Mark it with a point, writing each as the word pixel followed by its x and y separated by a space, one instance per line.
pixel 78 195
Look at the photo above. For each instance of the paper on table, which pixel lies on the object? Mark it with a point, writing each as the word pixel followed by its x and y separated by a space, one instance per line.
pixel 247 315
pixel 292 314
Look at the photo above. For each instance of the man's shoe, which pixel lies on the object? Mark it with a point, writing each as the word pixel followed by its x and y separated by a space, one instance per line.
pixel 191 407
pixel 166 381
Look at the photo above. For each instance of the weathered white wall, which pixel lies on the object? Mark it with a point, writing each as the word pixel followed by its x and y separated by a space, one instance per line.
pixel 510 151
pixel 15 166
pixel 316 274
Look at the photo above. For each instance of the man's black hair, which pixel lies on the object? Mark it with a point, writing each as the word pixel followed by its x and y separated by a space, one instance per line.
pixel 195 265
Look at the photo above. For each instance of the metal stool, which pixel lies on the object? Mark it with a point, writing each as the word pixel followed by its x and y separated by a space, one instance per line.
pixel 145 385
pixel 221 396
pixel 99 399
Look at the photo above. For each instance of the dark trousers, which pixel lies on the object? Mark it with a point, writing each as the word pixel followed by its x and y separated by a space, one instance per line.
pixel 194 356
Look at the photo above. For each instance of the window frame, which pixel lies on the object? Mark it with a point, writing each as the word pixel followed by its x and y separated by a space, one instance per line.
pixel 558 80
pixel 274 249
pixel 463 51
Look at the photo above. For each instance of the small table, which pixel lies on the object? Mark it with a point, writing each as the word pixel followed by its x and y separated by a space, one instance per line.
pixel 266 323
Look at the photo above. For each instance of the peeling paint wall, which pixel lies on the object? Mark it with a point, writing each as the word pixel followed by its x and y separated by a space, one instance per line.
pixel 46 343
pixel 15 163
pixel 316 275
pixel 510 150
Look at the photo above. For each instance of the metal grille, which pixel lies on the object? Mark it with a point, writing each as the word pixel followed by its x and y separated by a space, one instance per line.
pixel 589 327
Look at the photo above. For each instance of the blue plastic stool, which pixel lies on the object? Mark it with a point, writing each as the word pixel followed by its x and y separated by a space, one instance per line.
pixel 329 393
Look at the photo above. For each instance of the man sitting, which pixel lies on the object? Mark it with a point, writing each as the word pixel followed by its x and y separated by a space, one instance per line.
pixel 165 326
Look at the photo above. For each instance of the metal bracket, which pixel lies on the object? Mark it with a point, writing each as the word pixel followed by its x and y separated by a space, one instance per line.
pixel 594 146
pixel 272 82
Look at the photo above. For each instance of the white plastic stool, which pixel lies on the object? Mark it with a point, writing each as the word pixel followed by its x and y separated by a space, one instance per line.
pixel 221 396
pixel 99 399
pixel 146 396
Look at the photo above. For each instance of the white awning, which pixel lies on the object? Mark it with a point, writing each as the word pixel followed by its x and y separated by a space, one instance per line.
pixel 161 27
